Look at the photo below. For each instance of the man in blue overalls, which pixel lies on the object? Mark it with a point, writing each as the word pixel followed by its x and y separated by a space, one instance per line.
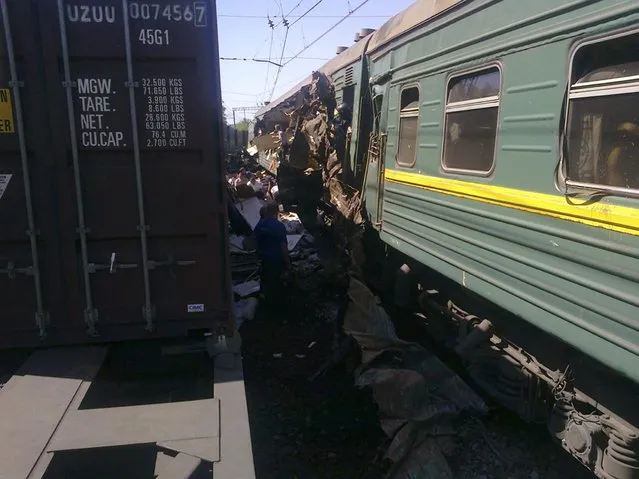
pixel 272 249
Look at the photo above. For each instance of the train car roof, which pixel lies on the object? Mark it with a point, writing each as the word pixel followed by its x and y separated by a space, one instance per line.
pixel 348 56
pixel 417 14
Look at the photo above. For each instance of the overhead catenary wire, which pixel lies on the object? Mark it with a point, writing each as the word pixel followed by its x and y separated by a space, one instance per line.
pixel 364 2
pixel 307 12
pixel 285 61
pixel 261 17
pixel 227 92
pixel 265 60
pixel 273 27
pixel 279 69
pixel 285 17
pixel 258 60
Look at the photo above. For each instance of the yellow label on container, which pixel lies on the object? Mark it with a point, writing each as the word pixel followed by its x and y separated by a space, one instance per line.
pixel 6 112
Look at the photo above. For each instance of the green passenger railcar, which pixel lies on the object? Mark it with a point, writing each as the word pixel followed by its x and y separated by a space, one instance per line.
pixel 510 135
pixel 497 146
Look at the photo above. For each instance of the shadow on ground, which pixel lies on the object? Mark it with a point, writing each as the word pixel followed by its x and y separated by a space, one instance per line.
pixel 301 429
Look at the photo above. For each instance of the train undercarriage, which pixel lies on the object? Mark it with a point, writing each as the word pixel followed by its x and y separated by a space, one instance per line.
pixel 590 410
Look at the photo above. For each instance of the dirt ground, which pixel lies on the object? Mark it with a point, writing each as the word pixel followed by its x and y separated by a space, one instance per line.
pixel 324 428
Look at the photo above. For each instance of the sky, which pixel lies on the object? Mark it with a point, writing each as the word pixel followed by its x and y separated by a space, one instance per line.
pixel 244 32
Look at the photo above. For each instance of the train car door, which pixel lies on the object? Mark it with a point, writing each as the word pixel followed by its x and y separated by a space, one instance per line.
pixel 375 163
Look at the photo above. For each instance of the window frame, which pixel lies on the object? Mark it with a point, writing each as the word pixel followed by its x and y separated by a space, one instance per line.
pixel 562 182
pixel 408 86
pixel 469 105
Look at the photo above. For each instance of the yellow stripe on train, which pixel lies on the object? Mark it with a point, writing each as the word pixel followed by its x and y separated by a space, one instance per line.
pixel 611 217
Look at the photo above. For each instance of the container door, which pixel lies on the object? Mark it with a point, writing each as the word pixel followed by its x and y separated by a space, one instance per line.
pixel 138 137
pixel 30 277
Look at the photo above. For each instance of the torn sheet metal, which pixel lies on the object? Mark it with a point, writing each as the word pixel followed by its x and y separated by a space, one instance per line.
pixel 292 223
pixel 244 310
pixel 293 241
pixel 266 142
pixel 240 244
pixel 250 210
pixel 247 289
pixel 414 390
pixel 365 313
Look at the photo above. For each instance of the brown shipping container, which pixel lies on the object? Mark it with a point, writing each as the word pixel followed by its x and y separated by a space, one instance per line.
pixel 113 219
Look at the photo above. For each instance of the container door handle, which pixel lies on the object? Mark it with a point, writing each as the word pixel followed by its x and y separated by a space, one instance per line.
pixel 11 271
pixel 170 261
pixel 112 266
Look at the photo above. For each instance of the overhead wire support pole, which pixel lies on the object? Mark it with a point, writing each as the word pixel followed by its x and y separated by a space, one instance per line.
pixel 279 69
pixel 234 127
pixel 244 110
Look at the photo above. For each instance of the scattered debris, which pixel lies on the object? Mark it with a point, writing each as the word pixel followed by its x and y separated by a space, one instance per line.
pixel 293 241
pixel 292 223
pixel 414 390
pixel 246 289
pixel 244 310
pixel 278 355
pixel 240 244
pixel 250 210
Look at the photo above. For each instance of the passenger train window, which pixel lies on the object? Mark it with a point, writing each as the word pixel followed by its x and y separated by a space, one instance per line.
pixel 603 118
pixel 408 118
pixel 472 111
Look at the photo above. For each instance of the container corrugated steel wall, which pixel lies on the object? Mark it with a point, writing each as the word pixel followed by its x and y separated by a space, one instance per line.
pixel 112 212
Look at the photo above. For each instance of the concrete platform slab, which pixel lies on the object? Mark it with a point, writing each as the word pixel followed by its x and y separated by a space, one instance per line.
pixel 181 466
pixel 91 428
pixel 34 401
pixel 207 448
pixel 236 451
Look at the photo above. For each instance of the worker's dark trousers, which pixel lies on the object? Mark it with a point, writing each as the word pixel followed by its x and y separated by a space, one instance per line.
pixel 272 285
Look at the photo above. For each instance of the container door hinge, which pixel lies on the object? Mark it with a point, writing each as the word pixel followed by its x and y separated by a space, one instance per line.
pixel 11 271
pixel 42 321
pixel 149 316
pixel 91 318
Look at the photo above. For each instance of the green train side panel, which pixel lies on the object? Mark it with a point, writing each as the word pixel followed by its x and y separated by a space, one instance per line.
pixel 574 281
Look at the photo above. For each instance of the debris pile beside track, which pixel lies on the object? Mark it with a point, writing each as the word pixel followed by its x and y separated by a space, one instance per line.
pixel 300 428
pixel 245 205
pixel 416 394
pixel 426 411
